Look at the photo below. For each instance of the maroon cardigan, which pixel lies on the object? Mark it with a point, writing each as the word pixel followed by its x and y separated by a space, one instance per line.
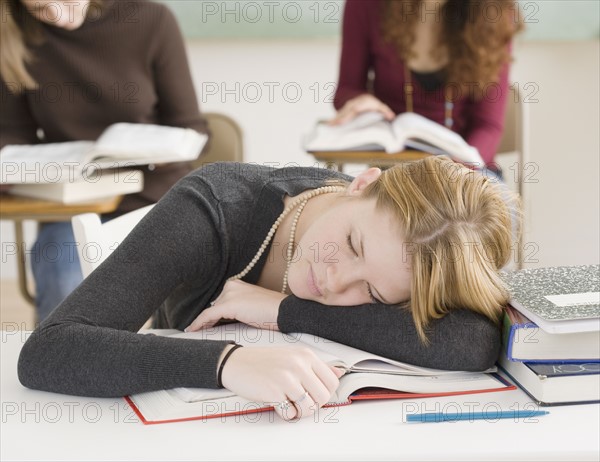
pixel 480 123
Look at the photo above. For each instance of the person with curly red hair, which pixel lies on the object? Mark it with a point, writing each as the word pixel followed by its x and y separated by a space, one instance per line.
pixel 447 60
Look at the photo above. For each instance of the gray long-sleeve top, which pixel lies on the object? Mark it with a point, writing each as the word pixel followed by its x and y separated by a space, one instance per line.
pixel 207 228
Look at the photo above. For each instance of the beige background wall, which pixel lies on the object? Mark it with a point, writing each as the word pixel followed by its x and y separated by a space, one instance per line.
pixel 276 89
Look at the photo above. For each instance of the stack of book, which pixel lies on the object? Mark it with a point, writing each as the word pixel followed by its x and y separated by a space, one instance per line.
pixel 551 333
pixel 75 172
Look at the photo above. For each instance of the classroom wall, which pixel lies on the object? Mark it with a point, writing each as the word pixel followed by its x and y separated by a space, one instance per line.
pixel 546 19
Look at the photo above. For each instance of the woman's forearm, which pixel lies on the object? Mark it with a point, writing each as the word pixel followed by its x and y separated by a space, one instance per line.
pixel 461 340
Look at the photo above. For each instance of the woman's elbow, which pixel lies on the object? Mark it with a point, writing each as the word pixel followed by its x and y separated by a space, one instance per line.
pixel 465 341
pixel 29 363
pixel 485 347
pixel 37 364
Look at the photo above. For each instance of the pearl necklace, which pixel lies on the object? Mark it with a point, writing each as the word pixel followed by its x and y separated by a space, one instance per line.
pixel 300 202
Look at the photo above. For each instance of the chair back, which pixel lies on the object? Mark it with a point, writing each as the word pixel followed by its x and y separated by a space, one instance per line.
pixel 511 135
pixel 512 150
pixel 226 140
pixel 512 157
pixel 98 240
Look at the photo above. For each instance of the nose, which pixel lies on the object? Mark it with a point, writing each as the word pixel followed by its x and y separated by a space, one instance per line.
pixel 341 278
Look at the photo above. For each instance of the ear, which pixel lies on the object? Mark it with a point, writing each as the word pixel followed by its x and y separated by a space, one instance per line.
pixel 363 180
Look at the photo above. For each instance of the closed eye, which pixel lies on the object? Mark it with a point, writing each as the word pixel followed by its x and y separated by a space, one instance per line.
pixel 353 250
pixel 371 296
pixel 350 246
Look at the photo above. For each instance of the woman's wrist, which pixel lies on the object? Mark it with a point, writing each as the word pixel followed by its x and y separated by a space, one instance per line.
pixel 225 355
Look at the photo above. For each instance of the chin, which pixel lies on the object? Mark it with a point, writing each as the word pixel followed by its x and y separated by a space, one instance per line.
pixel 296 286
pixel 296 290
pixel 71 25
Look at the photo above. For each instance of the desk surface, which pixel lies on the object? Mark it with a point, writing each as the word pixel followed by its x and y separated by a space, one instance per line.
pixel 46 426
pixel 367 157
pixel 15 208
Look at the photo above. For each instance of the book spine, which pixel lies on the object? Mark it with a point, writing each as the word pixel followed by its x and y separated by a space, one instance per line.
pixel 555 361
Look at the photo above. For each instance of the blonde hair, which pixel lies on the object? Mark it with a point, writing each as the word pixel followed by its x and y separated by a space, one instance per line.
pixel 457 231
pixel 19 31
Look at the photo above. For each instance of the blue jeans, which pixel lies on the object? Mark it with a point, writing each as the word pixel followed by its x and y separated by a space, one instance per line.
pixel 55 266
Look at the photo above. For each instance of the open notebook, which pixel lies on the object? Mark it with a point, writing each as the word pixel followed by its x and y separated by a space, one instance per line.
pixel 368 376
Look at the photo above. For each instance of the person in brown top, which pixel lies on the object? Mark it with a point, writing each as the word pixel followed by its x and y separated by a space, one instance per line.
pixel 71 69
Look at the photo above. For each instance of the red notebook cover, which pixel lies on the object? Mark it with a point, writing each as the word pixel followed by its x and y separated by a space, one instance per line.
pixel 360 395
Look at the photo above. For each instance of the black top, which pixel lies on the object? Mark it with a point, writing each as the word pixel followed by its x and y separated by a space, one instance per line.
pixel 207 228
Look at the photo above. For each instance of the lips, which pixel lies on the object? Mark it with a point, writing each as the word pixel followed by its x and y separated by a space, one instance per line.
pixel 312 283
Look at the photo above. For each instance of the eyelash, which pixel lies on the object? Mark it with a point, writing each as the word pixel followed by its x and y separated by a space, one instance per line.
pixel 351 247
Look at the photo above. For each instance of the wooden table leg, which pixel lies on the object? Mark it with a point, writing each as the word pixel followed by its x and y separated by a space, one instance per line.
pixel 21 263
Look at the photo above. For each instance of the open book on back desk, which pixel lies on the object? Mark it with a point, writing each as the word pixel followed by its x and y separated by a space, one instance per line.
pixel 120 145
pixel 371 132
pixel 364 370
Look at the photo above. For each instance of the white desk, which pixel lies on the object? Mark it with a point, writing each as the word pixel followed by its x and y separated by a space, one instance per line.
pixel 46 426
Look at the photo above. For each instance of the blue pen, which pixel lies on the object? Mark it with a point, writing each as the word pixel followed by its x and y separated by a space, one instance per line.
pixel 489 415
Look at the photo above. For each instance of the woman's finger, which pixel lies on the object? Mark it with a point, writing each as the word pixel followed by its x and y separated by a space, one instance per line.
pixel 328 377
pixel 346 114
pixel 304 403
pixel 285 409
pixel 208 318
pixel 321 383
pixel 387 112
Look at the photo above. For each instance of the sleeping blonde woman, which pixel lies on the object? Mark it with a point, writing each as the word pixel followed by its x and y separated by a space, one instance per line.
pixel 402 263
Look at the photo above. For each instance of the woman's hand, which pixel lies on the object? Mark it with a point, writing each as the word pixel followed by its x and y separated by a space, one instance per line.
pixel 362 103
pixel 292 379
pixel 244 302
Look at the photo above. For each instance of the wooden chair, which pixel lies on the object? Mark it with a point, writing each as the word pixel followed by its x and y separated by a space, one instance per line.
pixel 226 142
pixel 512 156
pixel 513 159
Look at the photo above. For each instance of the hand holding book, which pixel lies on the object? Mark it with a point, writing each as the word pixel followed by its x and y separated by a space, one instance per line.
pixel 360 105
pixel 275 368
pixel 279 375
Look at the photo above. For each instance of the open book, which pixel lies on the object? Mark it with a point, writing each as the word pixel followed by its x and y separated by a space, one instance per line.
pixel 371 132
pixel 120 145
pixel 392 379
